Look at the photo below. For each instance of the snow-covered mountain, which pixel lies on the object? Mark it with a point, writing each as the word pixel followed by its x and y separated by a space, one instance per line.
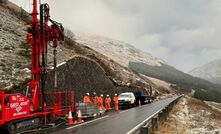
pixel 119 51
pixel 210 71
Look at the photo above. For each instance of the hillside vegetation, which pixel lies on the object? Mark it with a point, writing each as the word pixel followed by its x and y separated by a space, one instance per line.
pixel 204 90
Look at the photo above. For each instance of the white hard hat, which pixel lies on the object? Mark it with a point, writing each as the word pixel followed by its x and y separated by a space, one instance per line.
pixel 94 93
pixel 107 95
pixel 102 95
pixel 87 94
pixel 115 94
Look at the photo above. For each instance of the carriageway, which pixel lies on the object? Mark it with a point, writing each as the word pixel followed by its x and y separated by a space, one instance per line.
pixel 123 122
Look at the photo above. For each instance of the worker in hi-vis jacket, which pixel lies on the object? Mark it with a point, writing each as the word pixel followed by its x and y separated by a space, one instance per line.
pixel 87 98
pixel 100 101
pixel 107 102
pixel 116 102
pixel 95 99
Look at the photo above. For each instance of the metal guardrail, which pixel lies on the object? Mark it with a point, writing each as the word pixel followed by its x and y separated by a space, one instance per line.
pixel 152 122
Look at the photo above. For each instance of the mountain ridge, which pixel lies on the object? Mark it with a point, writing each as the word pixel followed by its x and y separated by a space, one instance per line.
pixel 210 71
pixel 117 50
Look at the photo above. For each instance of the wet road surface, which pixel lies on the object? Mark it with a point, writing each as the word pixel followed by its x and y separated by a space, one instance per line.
pixel 117 123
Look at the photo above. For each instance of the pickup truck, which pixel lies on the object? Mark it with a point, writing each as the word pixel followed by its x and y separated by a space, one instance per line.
pixel 126 99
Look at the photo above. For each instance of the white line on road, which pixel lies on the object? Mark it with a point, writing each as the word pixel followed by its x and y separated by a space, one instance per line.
pixel 87 122
pixel 139 125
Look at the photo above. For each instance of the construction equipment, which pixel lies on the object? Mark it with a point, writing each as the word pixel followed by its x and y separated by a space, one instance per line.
pixel 19 112
pixel 89 110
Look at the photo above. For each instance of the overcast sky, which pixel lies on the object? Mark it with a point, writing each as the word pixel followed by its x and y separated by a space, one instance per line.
pixel 184 33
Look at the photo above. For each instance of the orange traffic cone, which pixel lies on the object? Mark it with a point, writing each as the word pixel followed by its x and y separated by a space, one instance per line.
pixel 70 118
pixel 79 120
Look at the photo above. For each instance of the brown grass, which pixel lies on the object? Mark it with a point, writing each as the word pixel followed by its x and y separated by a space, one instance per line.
pixel 196 105
pixel 199 116
pixel 171 125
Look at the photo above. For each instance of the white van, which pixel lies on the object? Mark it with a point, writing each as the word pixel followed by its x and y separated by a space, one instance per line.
pixel 127 99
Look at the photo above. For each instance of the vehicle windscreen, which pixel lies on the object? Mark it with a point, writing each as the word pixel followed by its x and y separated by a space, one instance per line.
pixel 124 96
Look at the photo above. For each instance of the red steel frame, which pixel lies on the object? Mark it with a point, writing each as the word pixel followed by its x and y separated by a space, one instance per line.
pixel 54 108
pixel 34 41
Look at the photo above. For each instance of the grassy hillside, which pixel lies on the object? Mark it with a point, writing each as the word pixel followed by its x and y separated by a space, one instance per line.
pixel 204 90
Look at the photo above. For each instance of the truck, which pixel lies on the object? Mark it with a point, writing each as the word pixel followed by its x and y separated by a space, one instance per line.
pixel 142 98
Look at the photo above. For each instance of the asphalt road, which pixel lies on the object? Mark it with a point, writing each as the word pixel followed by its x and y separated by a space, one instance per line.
pixel 118 123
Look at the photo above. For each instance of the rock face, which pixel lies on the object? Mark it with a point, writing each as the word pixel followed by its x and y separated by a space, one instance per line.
pixel 210 71
pixel 81 75
pixel 15 59
pixel 13 62
pixel 3 1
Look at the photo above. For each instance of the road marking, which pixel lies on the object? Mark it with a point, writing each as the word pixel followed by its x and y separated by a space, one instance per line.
pixel 87 122
pixel 139 125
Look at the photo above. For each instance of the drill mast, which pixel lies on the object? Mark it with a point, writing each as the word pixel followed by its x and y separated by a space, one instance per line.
pixel 39 35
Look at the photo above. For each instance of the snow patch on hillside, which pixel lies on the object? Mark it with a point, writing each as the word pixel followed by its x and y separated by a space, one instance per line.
pixel 118 51
pixel 210 71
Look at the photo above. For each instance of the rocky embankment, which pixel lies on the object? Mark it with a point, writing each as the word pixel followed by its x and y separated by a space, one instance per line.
pixel 81 75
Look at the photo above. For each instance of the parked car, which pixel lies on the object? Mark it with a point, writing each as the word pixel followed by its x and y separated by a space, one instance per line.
pixel 126 99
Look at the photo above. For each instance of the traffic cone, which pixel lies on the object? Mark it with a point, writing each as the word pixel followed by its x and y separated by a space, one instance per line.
pixel 70 118
pixel 79 120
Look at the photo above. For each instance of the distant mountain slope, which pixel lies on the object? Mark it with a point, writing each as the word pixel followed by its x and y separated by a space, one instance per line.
pixel 118 51
pixel 145 63
pixel 184 82
pixel 210 71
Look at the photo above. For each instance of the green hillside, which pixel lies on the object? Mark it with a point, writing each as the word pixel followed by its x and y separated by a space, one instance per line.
pixel 204 90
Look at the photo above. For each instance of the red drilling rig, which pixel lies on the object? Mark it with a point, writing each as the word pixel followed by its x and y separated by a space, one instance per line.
pixel 36 107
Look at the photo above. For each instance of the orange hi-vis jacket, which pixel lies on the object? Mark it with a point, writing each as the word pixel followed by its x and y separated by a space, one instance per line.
pixel 100 102
pixel 107 104
pixel 116 99
pixel 116 103
pixel 95 100
pixel 87 99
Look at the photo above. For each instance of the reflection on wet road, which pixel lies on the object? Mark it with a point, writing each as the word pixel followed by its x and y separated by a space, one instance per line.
pixel 117 123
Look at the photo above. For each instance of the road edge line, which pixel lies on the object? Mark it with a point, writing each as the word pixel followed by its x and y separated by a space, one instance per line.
pixel 87 122
pixel 140 124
